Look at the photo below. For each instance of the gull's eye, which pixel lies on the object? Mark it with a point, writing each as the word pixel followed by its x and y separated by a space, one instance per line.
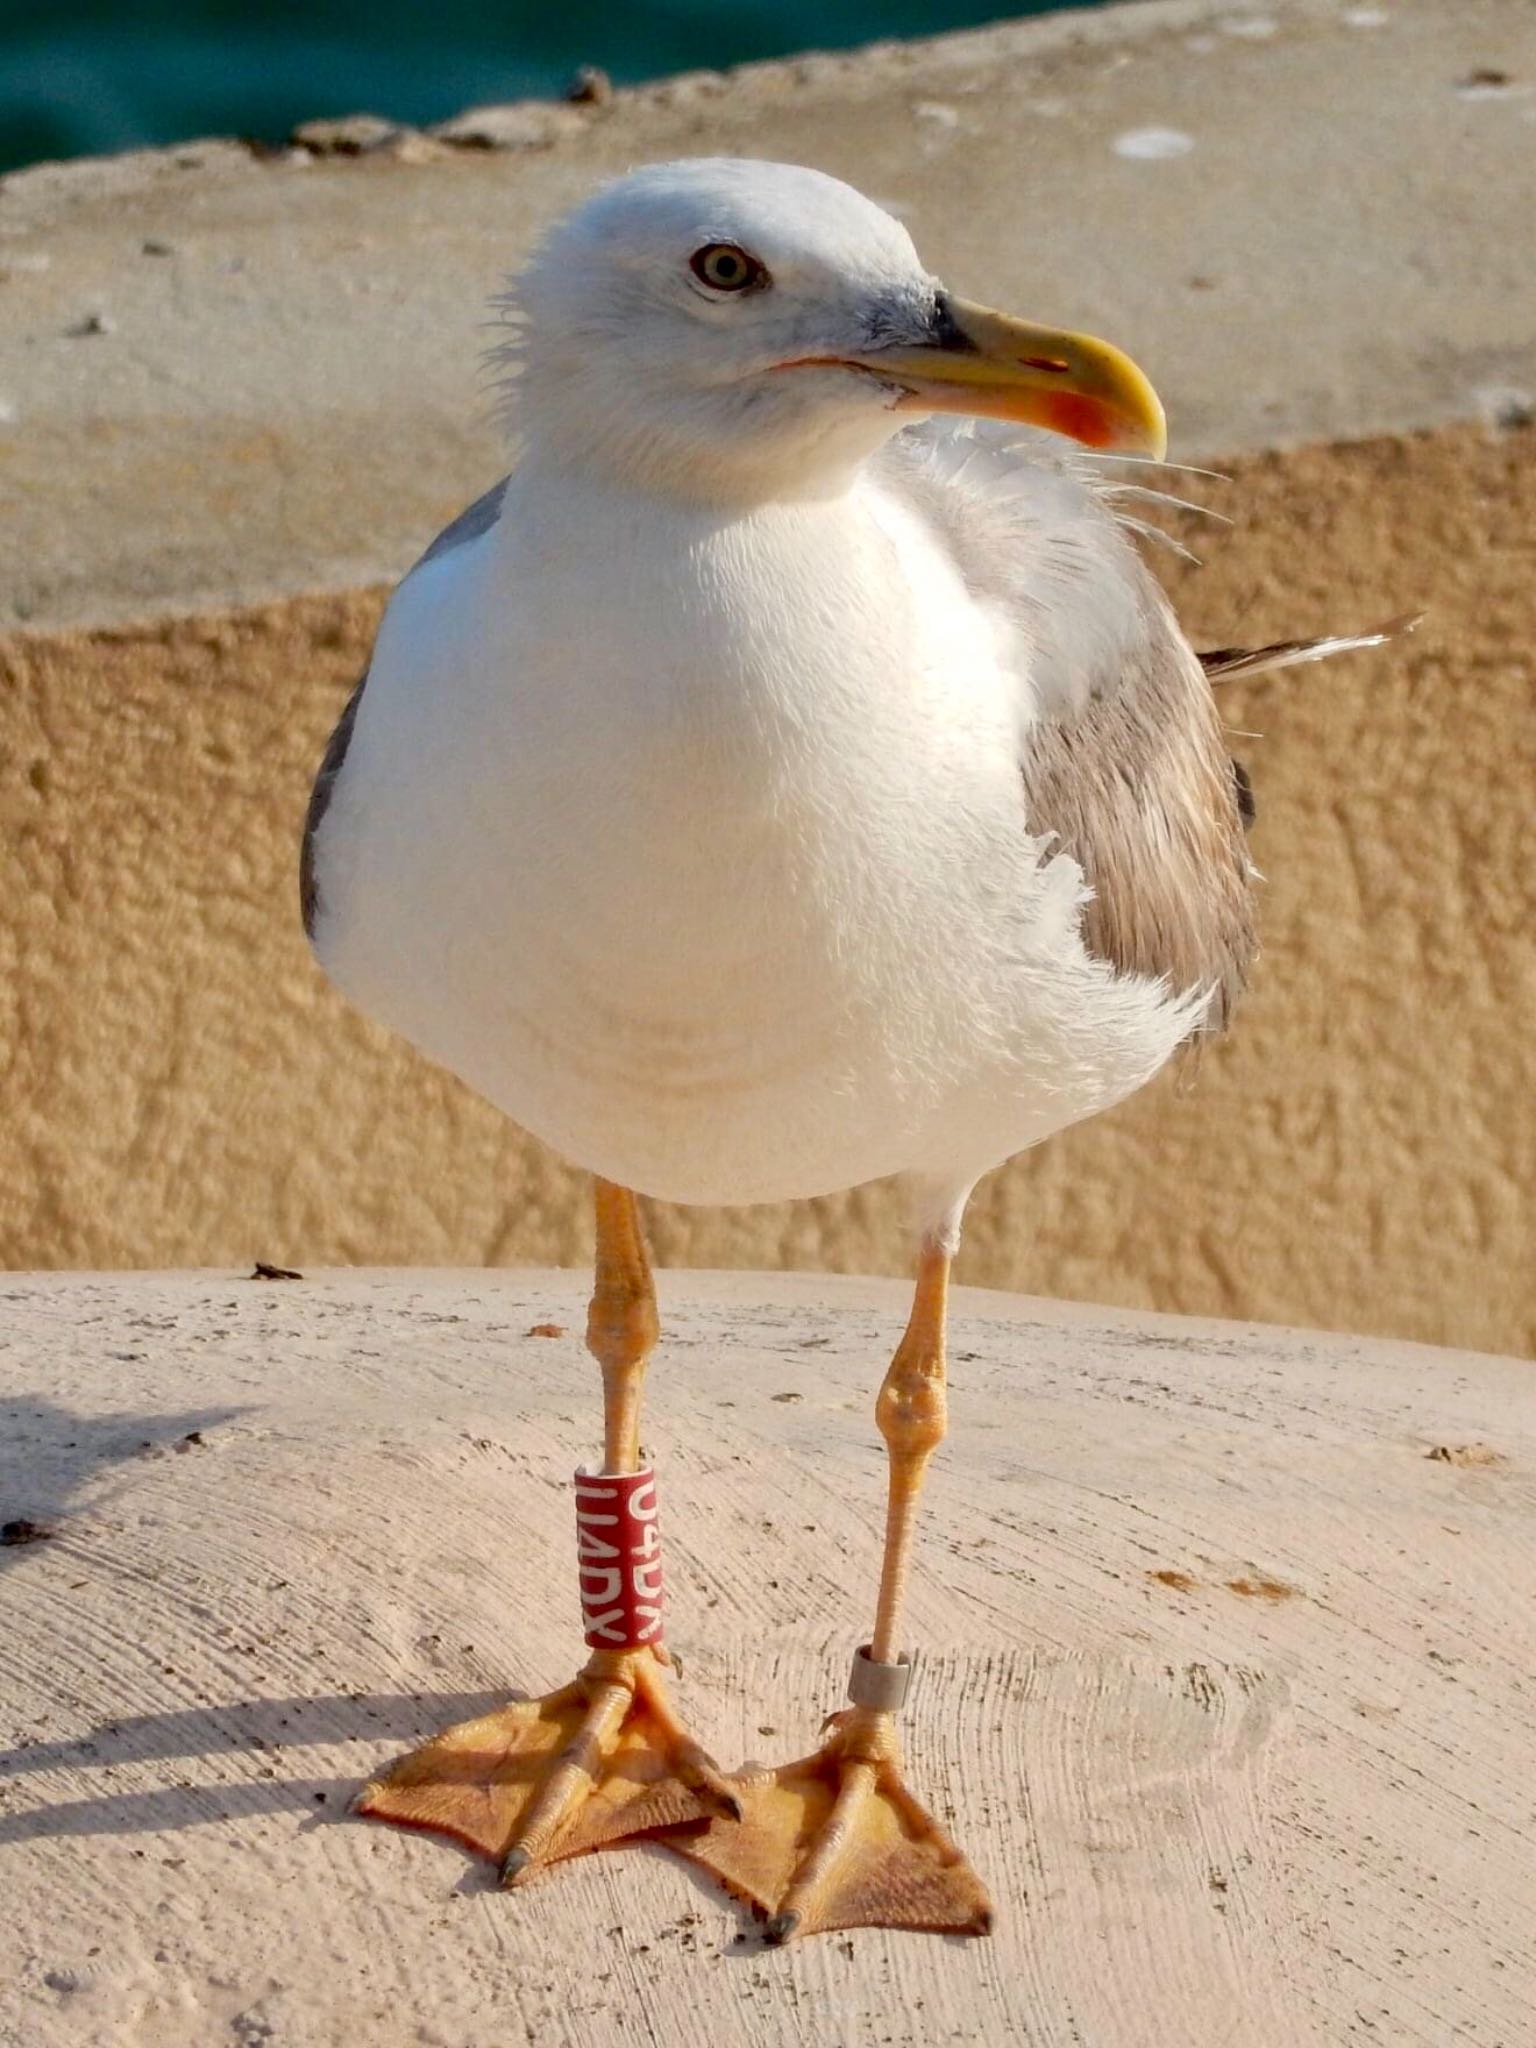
pixel 725 268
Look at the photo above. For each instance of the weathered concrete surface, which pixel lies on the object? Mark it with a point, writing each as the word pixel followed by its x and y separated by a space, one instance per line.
pixel 1223 1679
pixel 182 1087
pixel 285 397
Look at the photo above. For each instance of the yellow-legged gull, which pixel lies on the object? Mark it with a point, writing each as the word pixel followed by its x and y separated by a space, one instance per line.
pixel 770 787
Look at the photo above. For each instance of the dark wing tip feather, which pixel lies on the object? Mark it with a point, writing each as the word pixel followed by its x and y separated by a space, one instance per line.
pixel 1222 663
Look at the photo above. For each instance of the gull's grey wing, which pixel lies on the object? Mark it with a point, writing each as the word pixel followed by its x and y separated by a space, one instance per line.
pixel 1122 757
pixel 471 523
pixel 320 802
pixel 475 520
pixel 1139 788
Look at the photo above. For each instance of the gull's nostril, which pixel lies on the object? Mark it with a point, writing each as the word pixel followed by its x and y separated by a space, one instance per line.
pixel 1043 363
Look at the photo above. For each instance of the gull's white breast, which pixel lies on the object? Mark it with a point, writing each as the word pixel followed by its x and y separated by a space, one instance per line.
pixel 697 844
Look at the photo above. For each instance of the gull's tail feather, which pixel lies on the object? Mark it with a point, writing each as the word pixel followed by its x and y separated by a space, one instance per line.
pixel 1223 663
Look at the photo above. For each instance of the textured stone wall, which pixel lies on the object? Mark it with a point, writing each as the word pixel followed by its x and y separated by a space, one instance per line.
pixel 182 1088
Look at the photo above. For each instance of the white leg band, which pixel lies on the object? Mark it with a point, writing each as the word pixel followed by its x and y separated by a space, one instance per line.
pixel 881 1687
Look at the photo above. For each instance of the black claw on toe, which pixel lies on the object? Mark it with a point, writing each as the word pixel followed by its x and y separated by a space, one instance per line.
pixel 514 1863
pixel 780 1928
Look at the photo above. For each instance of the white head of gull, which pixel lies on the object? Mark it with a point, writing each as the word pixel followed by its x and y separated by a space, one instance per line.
pixel 750 330
pixel 746 330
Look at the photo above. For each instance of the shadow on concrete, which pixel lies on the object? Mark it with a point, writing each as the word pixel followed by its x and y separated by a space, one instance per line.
pixel 254 1735
pixel 48 1454
pixel 256 1732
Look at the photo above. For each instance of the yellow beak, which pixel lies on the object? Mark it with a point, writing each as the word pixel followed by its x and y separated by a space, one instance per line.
pixel 985 362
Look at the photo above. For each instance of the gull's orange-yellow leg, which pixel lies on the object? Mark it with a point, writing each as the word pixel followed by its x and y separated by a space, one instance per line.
pixel 605 1757
pixel 835 1839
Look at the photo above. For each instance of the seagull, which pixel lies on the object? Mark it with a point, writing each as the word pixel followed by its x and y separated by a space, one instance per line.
pixel 789 775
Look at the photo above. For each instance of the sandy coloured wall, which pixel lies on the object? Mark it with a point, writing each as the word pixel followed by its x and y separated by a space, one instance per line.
pixel 182 1087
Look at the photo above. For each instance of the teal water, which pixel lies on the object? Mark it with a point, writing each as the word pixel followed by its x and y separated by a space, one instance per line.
pixel 78 77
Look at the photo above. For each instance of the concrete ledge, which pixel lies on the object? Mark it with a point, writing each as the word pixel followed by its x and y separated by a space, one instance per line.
pixel 226 378
pixel 1225 1644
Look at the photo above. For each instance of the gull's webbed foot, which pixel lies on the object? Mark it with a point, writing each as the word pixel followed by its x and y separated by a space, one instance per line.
pixel 835 1839
pixel 601 1760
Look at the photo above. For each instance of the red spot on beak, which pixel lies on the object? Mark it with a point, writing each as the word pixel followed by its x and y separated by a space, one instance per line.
pixel 1087 420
